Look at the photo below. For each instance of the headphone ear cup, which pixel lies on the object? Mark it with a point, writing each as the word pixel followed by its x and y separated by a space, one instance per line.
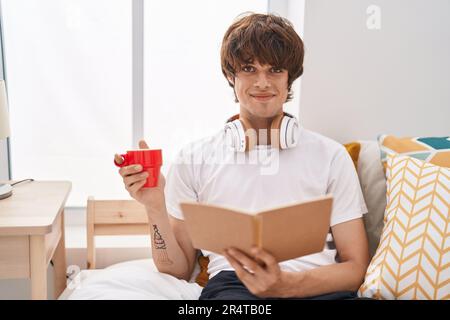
pixel 275 131
pixel 235 135
pixel 288 132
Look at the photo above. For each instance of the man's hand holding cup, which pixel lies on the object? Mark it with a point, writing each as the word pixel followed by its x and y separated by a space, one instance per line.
pixel 140 171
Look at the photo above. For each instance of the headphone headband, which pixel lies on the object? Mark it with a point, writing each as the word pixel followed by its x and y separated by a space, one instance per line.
pixel 283 132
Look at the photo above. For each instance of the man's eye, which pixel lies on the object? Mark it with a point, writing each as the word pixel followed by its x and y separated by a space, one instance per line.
pixel 277 70
pixel 247 68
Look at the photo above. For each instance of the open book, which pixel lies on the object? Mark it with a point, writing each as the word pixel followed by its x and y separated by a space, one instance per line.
pixel 286 232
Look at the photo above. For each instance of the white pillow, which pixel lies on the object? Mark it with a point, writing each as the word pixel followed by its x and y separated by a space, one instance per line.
pixel 373 184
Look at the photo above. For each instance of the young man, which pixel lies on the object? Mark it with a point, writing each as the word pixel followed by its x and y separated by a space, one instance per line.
pixel 261 57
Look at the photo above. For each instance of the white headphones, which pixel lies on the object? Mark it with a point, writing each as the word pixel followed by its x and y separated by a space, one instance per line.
pixel 283 130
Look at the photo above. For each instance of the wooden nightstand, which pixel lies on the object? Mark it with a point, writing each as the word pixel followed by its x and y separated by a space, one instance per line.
pixel 32 234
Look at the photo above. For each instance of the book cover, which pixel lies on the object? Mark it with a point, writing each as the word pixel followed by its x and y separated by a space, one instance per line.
pixel 286 232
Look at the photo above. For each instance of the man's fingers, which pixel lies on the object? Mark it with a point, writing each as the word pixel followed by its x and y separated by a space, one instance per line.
pixel 130 170
pixel 265 257
pixel 118 158
pixel 245 260
pixel 143 144
pixel 136 186
pixel 241 272
pixel 131 179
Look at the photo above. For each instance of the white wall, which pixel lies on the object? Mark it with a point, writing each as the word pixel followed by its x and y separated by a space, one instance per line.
pixel 359 83
pixel 294 11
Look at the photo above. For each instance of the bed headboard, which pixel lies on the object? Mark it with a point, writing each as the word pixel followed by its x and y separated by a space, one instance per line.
pixel 113 217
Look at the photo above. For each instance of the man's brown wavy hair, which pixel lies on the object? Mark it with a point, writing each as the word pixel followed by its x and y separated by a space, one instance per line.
pixel 267 38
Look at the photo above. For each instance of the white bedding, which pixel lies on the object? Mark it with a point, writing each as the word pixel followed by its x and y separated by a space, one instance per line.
pixel 137 280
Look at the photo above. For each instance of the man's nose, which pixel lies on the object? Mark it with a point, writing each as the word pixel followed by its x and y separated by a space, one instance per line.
pixel 262 81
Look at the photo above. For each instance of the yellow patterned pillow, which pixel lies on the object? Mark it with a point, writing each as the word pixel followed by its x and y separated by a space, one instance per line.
pixel 413 258
pixel 435 150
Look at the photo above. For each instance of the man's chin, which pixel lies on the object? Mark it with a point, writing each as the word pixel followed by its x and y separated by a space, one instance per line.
pixel 262 111
pixel 266 114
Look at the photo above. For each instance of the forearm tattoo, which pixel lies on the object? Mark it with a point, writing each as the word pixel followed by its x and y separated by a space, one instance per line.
pixel 160 246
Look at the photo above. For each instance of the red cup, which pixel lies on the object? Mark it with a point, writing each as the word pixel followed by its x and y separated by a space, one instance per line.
pixel 150 160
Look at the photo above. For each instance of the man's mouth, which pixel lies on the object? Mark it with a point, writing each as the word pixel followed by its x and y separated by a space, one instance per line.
pixel 262 97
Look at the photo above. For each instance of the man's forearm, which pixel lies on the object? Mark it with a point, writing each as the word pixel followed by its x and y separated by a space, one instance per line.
pixel 345 276
pixel 167 253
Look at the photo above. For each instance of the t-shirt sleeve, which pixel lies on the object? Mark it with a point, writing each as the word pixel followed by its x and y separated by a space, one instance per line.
pixel 343 184
pixel 179 186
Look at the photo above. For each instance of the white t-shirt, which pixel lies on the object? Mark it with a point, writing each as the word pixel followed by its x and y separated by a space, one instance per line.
pixel 209 171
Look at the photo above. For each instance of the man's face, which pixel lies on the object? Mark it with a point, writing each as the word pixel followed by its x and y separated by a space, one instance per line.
pixel 261 89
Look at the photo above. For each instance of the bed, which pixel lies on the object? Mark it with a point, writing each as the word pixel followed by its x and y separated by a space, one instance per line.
pixel 136 279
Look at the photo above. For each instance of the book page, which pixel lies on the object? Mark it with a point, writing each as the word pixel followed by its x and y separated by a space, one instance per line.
pixel 215 228
pixel 297 230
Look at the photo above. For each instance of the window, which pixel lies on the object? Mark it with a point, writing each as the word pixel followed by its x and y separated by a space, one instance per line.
pixel 68 67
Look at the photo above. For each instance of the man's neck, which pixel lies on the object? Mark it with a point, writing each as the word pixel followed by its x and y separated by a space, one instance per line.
pixel 260 125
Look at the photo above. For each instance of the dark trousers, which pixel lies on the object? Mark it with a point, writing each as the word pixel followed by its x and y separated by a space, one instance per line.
pixel 227 286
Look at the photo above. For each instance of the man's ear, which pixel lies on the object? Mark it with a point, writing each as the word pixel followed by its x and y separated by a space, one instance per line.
pixel 231 80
